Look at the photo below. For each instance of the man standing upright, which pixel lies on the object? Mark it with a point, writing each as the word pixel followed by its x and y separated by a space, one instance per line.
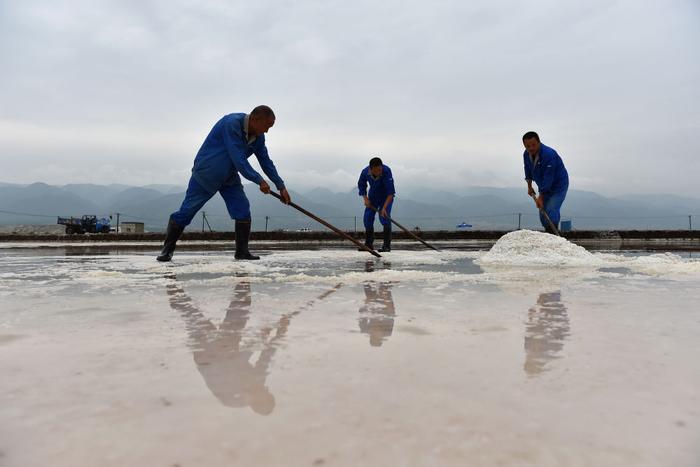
pixel 381 197
pixel 222 157
pixel 545 167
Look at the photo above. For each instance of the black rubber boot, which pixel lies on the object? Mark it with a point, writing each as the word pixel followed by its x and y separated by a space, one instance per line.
pixel 369 239
pixel 242 237
pixel 172 234
pixel 387 239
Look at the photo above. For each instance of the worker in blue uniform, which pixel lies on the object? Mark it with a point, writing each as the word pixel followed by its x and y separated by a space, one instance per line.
pixel 545 167
pixel 380 196
pixel 222 157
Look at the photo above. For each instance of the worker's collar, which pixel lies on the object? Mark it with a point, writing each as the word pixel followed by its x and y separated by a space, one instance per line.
pixel 249 139
pixel 536 157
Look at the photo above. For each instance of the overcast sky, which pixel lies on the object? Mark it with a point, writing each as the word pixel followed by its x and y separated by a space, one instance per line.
pixel 125 92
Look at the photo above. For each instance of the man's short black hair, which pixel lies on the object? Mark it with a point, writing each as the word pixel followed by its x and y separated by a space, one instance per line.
pixel 375 162
pixel 262 111
pixel 530 135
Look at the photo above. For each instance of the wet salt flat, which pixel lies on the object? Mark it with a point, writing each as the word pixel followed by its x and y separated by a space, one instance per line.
pixel 537 353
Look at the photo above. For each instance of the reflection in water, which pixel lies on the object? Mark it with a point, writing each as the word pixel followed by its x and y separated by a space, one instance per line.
pixel 377 313
pixel 233 361
pixel 370 265
pixel 546 330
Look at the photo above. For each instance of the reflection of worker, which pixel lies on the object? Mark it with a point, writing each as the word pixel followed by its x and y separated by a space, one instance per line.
pixel 546 330
pixel 222 358
pixel 377 313
pixel 223 355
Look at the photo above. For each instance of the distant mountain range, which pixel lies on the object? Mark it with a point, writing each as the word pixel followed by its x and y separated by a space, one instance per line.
pixel 424 207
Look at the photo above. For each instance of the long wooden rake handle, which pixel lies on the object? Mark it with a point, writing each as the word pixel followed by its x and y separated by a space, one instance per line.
pixel 405 230
pixel 330 226
pixel 546 217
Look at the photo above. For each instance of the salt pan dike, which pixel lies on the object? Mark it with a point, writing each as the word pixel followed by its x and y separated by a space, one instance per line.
pixel 535 353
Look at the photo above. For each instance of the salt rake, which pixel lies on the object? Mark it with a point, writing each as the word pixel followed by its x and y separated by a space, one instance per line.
pixel 546 217
pixel 404 229
pixel 332 227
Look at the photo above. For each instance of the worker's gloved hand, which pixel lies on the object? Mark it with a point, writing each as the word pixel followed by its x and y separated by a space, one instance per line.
pixel 286 199
pixel 530 191
pixel 540 201
pixel 265 187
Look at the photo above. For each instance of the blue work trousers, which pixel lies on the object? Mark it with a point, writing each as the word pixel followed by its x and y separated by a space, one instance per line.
pixel 552 206
pixel 369 214
pixel 196 197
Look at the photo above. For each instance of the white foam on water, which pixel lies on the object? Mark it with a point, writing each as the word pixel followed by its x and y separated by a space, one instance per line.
pixel 211 264
pixel 432 278
pixel 660 264
pixel 384 275
pixel 517 260
pixel 398 257
pixel 530 248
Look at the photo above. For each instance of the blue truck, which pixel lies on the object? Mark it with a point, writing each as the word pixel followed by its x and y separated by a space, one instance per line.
pixel 85 224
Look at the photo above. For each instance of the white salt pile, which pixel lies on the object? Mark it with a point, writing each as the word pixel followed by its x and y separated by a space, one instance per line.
pixel 529 248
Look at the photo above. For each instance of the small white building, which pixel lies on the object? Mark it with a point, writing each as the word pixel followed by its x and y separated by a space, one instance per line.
pixel 131 227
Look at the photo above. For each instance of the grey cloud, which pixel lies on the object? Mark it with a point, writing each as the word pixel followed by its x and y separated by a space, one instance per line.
pixel 446 88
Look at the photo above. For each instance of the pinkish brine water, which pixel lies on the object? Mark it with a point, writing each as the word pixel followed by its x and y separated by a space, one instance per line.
pixel 535 353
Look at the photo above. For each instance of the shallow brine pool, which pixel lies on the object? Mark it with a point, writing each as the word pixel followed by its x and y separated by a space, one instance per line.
pixel 535 353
